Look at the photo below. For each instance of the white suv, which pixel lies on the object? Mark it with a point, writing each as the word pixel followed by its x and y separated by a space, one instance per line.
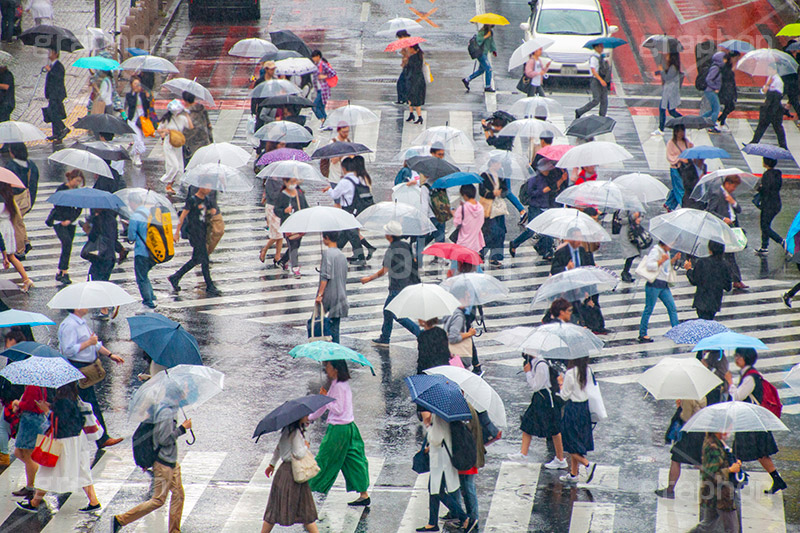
pixel 570 23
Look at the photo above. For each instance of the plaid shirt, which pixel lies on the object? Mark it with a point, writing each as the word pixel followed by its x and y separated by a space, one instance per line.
pixel 322 87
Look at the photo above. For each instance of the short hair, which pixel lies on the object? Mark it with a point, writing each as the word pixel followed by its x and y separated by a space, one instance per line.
pixel 558 306
pixel 716 248
pixel 749 355
pixel 187 97
pixel 591 211
pixel 574 234
pixel 316 53
pixel 733 178
pixel 436 148
pixel 769 162
pixel 430 323
pixel 16 335
pixel 468 190
pixel 332 236
pixel 342 373
pixel 18 151
pixel 402 33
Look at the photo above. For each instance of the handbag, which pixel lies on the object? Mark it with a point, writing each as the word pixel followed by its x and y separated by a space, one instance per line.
pixel 48 449
pixel 91 426
pixel 146 125
pixel 454 235
pixel 597 408
pixel 741 241
pixel 90 251
pixel 176 139
pixel 319 326
pixel 46 115
pixel 94 374
pixel 499 207
pixel 421 463
pixel 757 200
pixel 462 349
pixel 643 272
pixel 487 204
pixel 305 468
pixel 524 84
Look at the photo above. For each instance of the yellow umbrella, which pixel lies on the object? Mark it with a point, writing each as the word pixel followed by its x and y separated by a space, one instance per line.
pixel 490 18
pixel 790 30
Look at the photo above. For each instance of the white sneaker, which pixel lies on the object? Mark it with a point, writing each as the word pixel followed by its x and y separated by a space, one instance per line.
pixel 518 457
pixel 657 132
pixel 137 160
pixel 723 127
pixel 556 464
pixel 568 478
pixel 587 474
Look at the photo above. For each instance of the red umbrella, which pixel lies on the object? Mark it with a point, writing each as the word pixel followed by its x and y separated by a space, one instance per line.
pixel 405 42
pixel 6 176
pixel 453 252
pixel 554 152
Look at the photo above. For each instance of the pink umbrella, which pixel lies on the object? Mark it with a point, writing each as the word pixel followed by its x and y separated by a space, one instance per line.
pixel 405 42
pixel 554 152
pixel 282 154
pixel 6 176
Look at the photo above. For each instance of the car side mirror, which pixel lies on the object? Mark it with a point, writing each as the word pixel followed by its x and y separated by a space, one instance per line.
pixel 524 26
pixel 613 29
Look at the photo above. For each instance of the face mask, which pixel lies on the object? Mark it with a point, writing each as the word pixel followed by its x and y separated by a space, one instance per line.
pixel 291 187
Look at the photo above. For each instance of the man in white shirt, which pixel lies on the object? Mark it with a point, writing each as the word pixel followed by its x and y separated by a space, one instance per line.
pixel 601 78
pixel 772 110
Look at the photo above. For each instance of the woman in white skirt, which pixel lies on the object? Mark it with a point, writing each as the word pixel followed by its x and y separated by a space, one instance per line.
pixel 73 469
pixel 137 106
pixel 176 118
pixel 8 215
pixel 41 11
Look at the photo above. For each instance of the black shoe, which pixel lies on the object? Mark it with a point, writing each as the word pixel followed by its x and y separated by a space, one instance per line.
pixel 643 340
pixel 426 528
pixel 778 484
pixel 89 508
pixel 419 120
pixel 213 291
pixel 28 247
pixel 361 502
pixel 51 138
pixel 410 117
pixel 577 115
pixel 59 275
pixel 489 90
pixel 27 506
pixel 666 493
pixel 626 277
pixel 174 282
pixel 63 134
pixel 115 525
pixel 65 279
pixel 380 342
pixel 465 81
pixel 787 300
pixel 512 251
pixel 604 331
pixel 354 258
pixel 123 255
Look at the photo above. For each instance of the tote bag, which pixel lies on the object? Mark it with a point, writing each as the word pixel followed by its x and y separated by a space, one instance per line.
pixel 304 469
pixel 91 426
pixel 644 273
pixel 48 449
pixel 597 408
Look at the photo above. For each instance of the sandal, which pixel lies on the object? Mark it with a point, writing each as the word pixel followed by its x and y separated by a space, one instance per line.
pixel 27 285
pixel 262 255
pixel 169 189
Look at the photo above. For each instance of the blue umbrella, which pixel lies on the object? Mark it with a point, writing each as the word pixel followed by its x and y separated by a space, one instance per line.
pixel 23 350
pixel 137 52
pixel 329 351
pixel 794 47
pixel 164 340
pixel 767 150
pixel 729 341
pixel 607 42
pixel 704 152
pixel 16 317
pixel 440 396
pixel 48 372
pixel 96 63
pixel 456 179
pixel 693 331
pixel 735 45
pixel 86 198
pixel 290 412
pixel 793 230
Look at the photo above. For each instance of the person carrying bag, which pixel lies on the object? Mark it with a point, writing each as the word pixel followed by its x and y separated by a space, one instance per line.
pixel 48 449
pixel 319 326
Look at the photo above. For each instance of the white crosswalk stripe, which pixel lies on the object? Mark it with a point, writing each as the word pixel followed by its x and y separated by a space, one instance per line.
pixel 591 517
pixel 336 516
pixel 682 513
pixel 514 491
pixel 248 513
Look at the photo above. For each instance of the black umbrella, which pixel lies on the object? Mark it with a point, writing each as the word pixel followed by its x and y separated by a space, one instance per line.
pixel 54 37
pixel 431 167
pixel 104 123
pixel 692 122
pixel 663 44
pixel 290 412
pixel 340 149
pixel 282 100
pixel 591 126
pixel 104 150
pixel 280 54
pixel 286 40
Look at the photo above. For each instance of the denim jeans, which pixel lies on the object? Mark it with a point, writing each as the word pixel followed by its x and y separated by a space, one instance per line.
pixel 483 68
pixel 675 196
pixel 651 294
pixel 389 317
pixel 451 500
pixel 334 328
pixel 526 234
pixel 141 268
pixel 319 107
pixel 713 99
pixel 662 116
pixel 470 495
pixel 438 234
pixel 4 434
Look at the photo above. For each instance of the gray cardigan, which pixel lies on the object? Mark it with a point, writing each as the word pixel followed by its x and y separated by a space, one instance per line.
pixel 455 325
pixel 165 436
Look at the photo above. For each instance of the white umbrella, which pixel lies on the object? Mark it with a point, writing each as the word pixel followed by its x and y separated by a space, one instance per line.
pixel 395 218
pixel 177 86
pixel 193 385
pixel 733 417
pixel 350 115
pixel 291 169
pixel 678 379
pixel 451 139
pixel 274 88
pixel 90 295
pixel 714 179
pixel 793 378
pixel 576 284
pixel 12 131
pixel 136 197
pixel 82 160
pixel 283 131
pixel 17 317
pixel 318 219
pixel 252 48
pixel 758 62
pixel 423 301
pixel 223 153
pixel 480 395
pixel 557 340
pixel 294 66
pixel 605 195
pixel 644 186
pixel 535 106
pixel 97 39
pixel 523 51
pixel 529 128
pixel 689 230
pixel 475 289
pixel 410 195
pixel 218 177
pixel 391 27
pixel 561 223
pixel 594 153
pixel 505 164
pixel 149 64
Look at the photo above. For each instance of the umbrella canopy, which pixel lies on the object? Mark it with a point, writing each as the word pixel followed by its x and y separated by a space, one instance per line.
pixel 48 372
pixel 646 188
pixel 561 223
pixel 283 100
pixel 290 412
pixel 283 131
pixel 164 340
pixel 693 331
pixel 104 123
pixel 762 62
pixel 689 230
pixel 392 26
pixel 554 152
pixel 589 126
pixel 274 88
pixel 792 378
pixel 252 48
pixel 704 152
pixel 96 63
pixel 283 154
pixel 594 153
pixel 735 45
pixel 557 340
pixel 280 54
pixel 529 128
pixel 489 18
pixel 135 198
pixel 395 218
pixel 178 86
pixel 6 176
pixel 86 198
pixel 149 63
pixel 729 340
pixel 318 219
pixel 768 150
pixel 47 36
pixel 576 284
pixel 286 40
pixel 475 289
pixel 12 131
pixel 476 390
pixel 179 386
pixel 504 164
pixel 90 295
pixel 294 66
pixel 536 106
pixel 662 44
pixel 790 30
pixel 454 252
pixel 218 177
pixel 291 169
pixel 83 160
pixel 733 417
pixel 457 179
pixel 405 42
pixel 451 139
pixel 431 167
pixel 607 42
pixel 605 195
pixel 17 317
pixel 423 301
pixel 350 115
pixel 26 349
pixel 134 51
pixel 440 396
pixel 714 179
pixel 678 379
pixel 97 39
pixel 104 150
pixel 322 351
pixel 523 51
pixel 223 153
pixel 6 59
pixel 340 149
pixel 692 122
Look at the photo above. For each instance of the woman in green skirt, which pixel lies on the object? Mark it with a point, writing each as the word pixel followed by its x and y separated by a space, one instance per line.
pixel 342 447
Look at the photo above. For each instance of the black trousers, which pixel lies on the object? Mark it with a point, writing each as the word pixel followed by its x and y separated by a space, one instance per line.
pixel 794 290
pixel 66 235
pixel 199 257
pixel 89 395
pixel 101 269
pixel 56 108
pixel 767 232
pixel 706 315
pixel 8 12
pixel 726 110
pixel 352 237
pixel 771 113
pixel 5 113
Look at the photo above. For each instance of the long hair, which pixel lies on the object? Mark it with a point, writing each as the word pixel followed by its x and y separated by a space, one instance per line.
pixel 419 52
pixel 675 131
pixel 342 372
pixel 673 58
pixel 8 199
pixel 583 366
pixel 68 391
pixel 361 169
pixel 18 151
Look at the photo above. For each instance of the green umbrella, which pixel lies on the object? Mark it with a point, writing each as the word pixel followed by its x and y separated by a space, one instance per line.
pixel 329 351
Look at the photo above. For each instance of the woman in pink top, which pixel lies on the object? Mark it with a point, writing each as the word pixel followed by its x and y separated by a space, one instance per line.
pixel 468 217
pixel 677 144
pixel 342 447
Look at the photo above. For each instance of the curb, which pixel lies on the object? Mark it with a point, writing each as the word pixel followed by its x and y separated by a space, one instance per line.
pixel 166 27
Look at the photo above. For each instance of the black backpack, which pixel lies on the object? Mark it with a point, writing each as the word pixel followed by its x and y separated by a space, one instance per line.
pixel 464 454
pixel 554 386
pixel 604 69
pixel 475 50
pixel 144 452
pixel 362 197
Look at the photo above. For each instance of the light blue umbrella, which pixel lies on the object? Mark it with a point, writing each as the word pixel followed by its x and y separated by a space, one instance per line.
pixel 329 351
pixel 607 42
pixel 96 63
pixel 49 372
pixel 456 179
pixel 16 317
pixel 23 350
pixel 729 341
pixel 704 152
pixel 693 331
pixel 734 45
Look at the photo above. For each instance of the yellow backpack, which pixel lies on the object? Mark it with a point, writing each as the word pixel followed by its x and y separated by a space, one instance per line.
pixel 159 240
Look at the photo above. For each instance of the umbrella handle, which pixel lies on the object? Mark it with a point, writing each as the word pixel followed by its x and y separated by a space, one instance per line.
pixel 194 439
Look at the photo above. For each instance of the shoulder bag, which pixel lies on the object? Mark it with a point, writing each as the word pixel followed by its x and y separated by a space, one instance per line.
pixel 454 235
pixel 95 373
pixel 319 326
pixel 597 408
pixel 524 84
pixel 463 348
pixel 48 449
pixel 304 469
pixel 643 272
pixel 176 138
pixel 421 463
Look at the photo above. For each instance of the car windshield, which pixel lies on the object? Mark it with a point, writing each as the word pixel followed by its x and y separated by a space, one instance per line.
pixel 569 22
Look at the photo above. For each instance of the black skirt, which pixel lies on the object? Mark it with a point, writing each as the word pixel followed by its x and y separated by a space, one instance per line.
pixel 541 419
pixel 688 450
pixel 577 428
pixel 753 445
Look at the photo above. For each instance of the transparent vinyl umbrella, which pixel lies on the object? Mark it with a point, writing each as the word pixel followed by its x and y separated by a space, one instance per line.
pixel 475 289
pixel 557 340
pixel 218 177
pixel 646 188
pixel 395 218
pixel 274 88
pixel 252 48
pixel 392 26
pixel 350 115
pixel 605 195
pixel 12 131
pixel 793 378
pixel 530 128
pixel 714 180
pixel 504 164
pixel 763 61
pixel 82 160
pixel 566 222
pixel 223 153
pixel 178 86
pixel 451 139
pixel 135 198
pixel 576 284
pixel 594 153
pixel 689 230
pixel 291 169
pixel 679 378
pixel 534 106
pixel 523 51
pixel 733 417
pixel 283 131
pixel 149 63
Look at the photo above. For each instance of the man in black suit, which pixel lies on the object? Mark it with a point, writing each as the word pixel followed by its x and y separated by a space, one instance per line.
pixel 56 92
pixel 7 101
pixel 723 205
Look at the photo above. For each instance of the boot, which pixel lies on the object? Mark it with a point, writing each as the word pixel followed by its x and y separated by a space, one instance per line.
pixel 370 249
pixel 778 483
pixel 410 117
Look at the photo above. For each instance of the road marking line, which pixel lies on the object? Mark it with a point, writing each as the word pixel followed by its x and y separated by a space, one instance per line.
pixel 590 517
pixel 417 506
pixel 653 146
pixel 367 134
pixel 359 59
pixel 462 120
pixel 762 512
pixel 411 130
pixel 247 514
pixel 365 11
pixel 605 476
pixel 11 479
pixel 226 124
pixel 742 133
pixel 512 499
pixel 425 16
pixel 682 513
pixel 338 517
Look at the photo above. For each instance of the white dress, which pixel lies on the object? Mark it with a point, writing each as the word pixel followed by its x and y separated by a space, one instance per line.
pixel 173 157
pixel 72 471
pixel 438 433
pixel 7 230
pixel 41 11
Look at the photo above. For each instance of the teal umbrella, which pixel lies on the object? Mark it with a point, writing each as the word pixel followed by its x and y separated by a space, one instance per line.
pixel 329 351
pixel 96 63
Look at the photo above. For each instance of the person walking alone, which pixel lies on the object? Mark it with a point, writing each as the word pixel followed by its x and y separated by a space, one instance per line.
pixel 175 119
pixel 416 86
pixel 291 200
pixel 658 262
pixel 8 217
pixel 7 96
pixel 485 39
pixel 323 73
pixel 55 92
pixel 601 78
pixel 771 113
pixel 63 219
pixel 712 277
pixel 671 79
pixel 137 106
pixel 28 173
pixel 402 80
pixel 142 262
pixel 675 147
pixel 332 289
pixel 723 205
pixel 576 424
pixel 535 70
pixel 769 191
pixel 727 91
pixel 714 84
